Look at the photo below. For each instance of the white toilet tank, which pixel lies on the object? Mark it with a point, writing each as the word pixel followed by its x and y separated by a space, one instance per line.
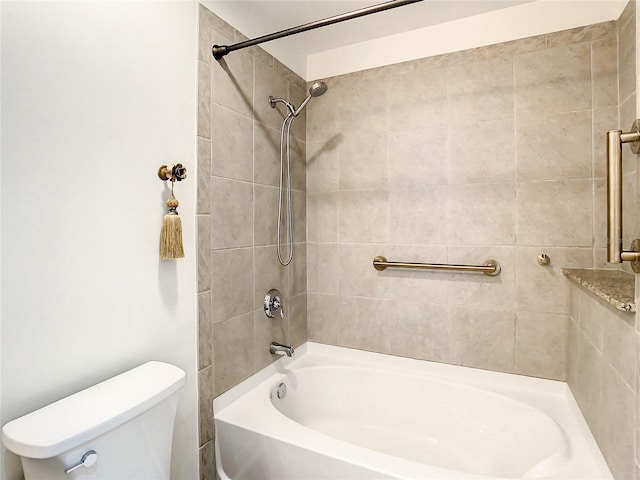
pixel 119 429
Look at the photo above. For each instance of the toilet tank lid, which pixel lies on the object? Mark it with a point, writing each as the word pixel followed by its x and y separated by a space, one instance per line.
pixel 85 415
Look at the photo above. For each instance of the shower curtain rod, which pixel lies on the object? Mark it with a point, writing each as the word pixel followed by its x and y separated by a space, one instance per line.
pixel 220 51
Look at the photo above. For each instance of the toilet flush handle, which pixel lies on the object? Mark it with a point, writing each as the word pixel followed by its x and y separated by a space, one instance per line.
pixel 89 459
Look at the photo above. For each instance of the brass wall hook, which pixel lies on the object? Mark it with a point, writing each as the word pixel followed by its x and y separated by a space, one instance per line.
pixel 173 173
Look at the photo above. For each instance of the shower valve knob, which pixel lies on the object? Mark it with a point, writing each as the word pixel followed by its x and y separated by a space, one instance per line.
pixel 273 303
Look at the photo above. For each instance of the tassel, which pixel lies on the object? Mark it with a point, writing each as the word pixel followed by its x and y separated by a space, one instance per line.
pixel 171 236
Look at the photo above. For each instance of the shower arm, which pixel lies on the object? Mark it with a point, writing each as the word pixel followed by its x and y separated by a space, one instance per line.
pixel 615 251
pixel 220 51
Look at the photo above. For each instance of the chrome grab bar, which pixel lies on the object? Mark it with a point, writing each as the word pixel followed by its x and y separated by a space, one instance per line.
pixel 615 251
pixel 490 267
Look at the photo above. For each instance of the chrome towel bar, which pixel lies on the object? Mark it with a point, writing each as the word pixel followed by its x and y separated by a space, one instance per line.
pixel 490 267
pixel 615 251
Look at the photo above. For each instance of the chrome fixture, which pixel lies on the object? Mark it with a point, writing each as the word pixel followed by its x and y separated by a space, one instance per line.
pixel 273 303
pixel 220 51
pixel 317 89
pixel 615 251
pixel 543 260
pixel 87 460
pixel 278 349
pixel 281 390
pixel 490 268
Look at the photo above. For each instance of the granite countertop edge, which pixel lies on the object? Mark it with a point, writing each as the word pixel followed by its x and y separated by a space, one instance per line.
pixel 613 286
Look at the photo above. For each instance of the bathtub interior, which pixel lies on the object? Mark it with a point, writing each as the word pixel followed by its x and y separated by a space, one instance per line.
pixel 350 414
pixel 452 426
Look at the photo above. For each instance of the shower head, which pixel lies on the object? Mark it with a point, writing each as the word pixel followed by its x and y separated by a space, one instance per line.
pixel 317 89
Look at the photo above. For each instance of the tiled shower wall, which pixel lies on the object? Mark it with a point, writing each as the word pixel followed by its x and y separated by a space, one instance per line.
pixel 603 361
pixel 237 202
pixel 493 153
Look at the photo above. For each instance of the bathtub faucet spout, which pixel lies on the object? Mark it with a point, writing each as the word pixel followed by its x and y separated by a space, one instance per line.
pixel 278 349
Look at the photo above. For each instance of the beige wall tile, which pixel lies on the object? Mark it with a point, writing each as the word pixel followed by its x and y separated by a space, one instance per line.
pixel 599 212
pixel 298 270
pixel 554 147
pixel 322 215
pixel 204 176
pixel 232 82
pixel 205 338
pixel 269 274
pixel 574 303
pixel 481 290
pixel 482 214
pixel 298 164
pixel 267 330
pixel 208 461
pixel 323 268
pixel 232 158
pixel 232 209
pixel 204 252
pixel 483 338
pixel 265 221
pixel 417 158
pixel 204 100
pixel 546 288
pixel 619 343
pixel 322 116
pixel 322 166
pixel 233 351
pixel 541 340
pixel 617 440
pixel 364 216
pixel 573 354
pixel 357 275
pixel 205 405
pixel 362 163
pixel 555 213
pixel 627 59
pixel 419 330
pixel 364 323
pixel 418 215
pixel 419 97
pixel 592 317
pixel 297 320
pixel 268 82
pixel 481 90
pixel 553 80
pixel 266 155
pixel 204 34
pixel 323 321
pixel 232 283
pixel 486 155
pixel 358 114
pixel 299 207
pixel 599 31
pixel 589 383
pixel 604 72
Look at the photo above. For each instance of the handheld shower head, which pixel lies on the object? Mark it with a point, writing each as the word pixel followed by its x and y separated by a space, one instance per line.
pixel 317 89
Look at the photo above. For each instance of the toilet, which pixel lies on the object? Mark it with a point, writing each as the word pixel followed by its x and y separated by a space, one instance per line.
pixel 119 429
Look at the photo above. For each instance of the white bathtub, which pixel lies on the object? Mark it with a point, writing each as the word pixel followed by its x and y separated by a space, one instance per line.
pixel 349 414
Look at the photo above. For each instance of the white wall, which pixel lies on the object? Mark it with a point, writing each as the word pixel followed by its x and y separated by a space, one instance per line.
pixel 95 97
